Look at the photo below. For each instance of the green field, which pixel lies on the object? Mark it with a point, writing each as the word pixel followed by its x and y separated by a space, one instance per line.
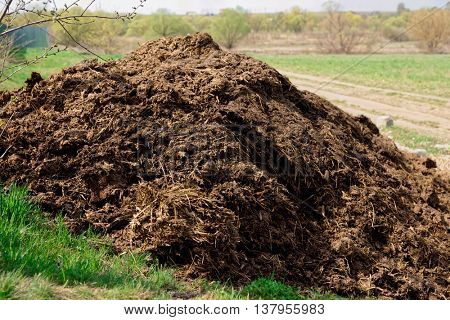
pixel 46 67
pixel 413 140
pixel 417 73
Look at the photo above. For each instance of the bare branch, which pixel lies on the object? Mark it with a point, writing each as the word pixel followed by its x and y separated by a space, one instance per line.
pixel 87 7
pixel 78 43
pixel 46 12
pixel 7 5
pixel 59 17
pixel 54 19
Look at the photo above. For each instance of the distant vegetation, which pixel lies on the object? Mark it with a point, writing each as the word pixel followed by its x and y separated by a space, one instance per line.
pixel 433 32
pixel 230 27
pixel 335 31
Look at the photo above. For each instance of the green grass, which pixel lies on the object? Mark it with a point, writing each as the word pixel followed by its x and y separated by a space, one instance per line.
pixel 269 289
pixel 417 73
pixel 46 67
pixel 33 246
pixel 414 140
pixel 41 259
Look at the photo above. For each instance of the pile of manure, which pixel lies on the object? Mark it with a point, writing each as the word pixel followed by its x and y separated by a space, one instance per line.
pixel 216 163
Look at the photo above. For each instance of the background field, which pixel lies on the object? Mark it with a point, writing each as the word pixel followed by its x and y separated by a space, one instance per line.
pixel 46 67
pixel 427 74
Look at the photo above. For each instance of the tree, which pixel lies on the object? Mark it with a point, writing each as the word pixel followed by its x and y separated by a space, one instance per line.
pixel 229 27
pixel 200 23
pixel 341 30
pixel 431 28
pixel 395 26
pixel 163 24
pixel 258 21
pixel 18 14
pixel 160 24
pixel 294 20
pixel 275 22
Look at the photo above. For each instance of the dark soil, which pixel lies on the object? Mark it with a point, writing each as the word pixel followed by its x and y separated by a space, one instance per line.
pixel 215 162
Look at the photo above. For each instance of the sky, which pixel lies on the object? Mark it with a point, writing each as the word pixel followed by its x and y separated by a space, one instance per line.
pixel 213 6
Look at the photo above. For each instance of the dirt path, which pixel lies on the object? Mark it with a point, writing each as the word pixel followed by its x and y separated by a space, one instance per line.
pixel 426 114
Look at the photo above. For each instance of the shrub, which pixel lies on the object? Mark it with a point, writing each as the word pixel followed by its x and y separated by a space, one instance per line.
pixel 229 27
pixel 431 28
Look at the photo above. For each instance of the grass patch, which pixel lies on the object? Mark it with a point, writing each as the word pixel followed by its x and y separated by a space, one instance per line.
pixel 32 246
pixel 418 73
pixel 46 67
pixel 269 289
pixel 414 140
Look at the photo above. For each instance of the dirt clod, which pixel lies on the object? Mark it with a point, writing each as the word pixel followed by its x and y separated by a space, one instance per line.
pixel 216 162
pixel 430 163
pixel 33 79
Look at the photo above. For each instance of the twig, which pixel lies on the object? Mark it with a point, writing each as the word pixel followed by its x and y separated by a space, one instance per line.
pixel 78 43
pixel 4 153
pixel 8 4
pixel 28 63
pixel 54 19
pixel 87 7
pixel 58 17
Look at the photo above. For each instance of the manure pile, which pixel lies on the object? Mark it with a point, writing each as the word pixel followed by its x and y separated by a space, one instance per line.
pixel 215 162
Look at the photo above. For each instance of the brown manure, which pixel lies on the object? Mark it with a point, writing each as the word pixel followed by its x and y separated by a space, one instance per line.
pixel 215 162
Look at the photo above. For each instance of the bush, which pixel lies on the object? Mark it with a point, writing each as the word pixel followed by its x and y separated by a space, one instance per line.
pixel 394 27
pixel 229 27
pixel 163 24
pixel 258 22
pixel 431 28
pixel 294 20
pixel 160 24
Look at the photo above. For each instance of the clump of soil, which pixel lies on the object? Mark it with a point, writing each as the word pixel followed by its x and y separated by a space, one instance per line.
pixel 216 162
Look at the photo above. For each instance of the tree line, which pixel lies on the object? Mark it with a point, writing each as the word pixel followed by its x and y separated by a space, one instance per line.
pixel 336 31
